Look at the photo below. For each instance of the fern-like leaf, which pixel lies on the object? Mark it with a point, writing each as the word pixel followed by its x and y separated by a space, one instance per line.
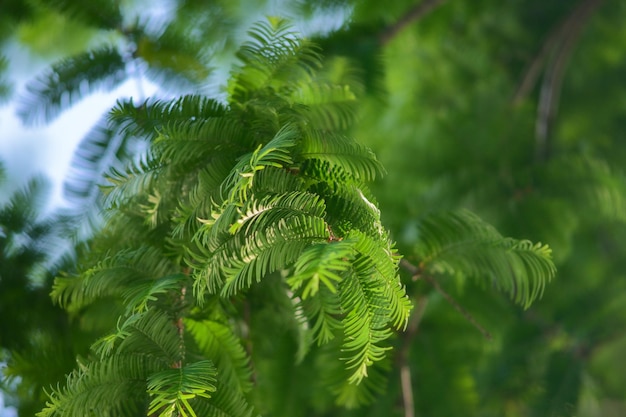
pixel 274 57
pixel 273 154
pixel 225 402
pixel 461 244
pixel 147 119
pixel 244 258
pixel 110 277
pixel 70 80
pixel 217 341
pixel 325 106
pixel 172 389
pixel 150 333
pixel 321 264
pixel 102 386
pixel 343 152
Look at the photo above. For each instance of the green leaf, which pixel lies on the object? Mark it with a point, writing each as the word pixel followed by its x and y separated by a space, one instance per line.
pixel 323 263
pixel 68 81
pixel 173 389
pixel 217 341
pixel 341 151
pixel 273 154
pixel 461 244
pixel 102 386
pixel 274 57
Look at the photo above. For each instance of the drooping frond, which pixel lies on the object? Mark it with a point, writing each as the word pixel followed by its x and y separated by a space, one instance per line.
pixel 148 118
pixel 217 341
pixel 245 258
pixel 323 312
pixel 134 180
pixel 273 154
pixel 70 80
pixel 151 333
pixel 370 296
pixel 378 261
pixel 325 106
pixel 343 152
pixel 92 157
pixel 374 302
pixel 273 58
pixel 103 386
pixel 364 326
pixel 110 276
pixel 461 244
pixel 172 389
pixel 323 263
pixel 225 402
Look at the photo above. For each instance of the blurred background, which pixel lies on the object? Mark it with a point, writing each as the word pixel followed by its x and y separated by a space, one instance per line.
pixel 515 110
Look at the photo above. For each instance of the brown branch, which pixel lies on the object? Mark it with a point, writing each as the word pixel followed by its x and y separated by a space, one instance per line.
pixel 180 326
pixel 458 307
pixel 418 273
pixel 403 356
pixel 553 78
pixel 413 14
pixel 415 271
pixel 531 75
pixel 245 334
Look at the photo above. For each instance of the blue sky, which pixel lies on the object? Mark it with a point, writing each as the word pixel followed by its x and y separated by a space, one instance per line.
pixel 47 150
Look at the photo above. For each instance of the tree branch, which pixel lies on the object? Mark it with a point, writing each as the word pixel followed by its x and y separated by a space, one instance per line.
pixel 458 307
pixel 553 78
pixel 403 357
pixel 413 14
pixel 531 75
pixel 418 272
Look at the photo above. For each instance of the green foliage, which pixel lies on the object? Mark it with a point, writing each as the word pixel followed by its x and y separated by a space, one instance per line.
pixel 173 388
pixel 252 219
pixel 461 244
pixel 30 255
pixel 245 242
pixel 105 14
pixel 69 80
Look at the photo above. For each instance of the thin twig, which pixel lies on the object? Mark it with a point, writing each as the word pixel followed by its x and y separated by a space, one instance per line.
pixel 403 356
pixel 415 271
pixel 407 391
pixel 180 326
pixel 413 14
pixel 553 79
pixel 458 307
pixel 247 319
pixel 531 75
pixel 418 272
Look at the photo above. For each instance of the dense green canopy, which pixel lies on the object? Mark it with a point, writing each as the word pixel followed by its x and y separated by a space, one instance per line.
pixel 330 208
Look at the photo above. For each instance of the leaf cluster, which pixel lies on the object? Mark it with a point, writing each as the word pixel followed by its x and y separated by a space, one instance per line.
pixel 229 196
